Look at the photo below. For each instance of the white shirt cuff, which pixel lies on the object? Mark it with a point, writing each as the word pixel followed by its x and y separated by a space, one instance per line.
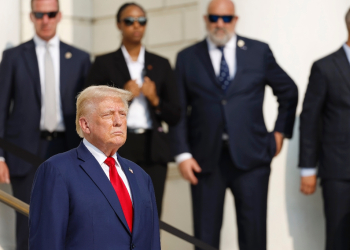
pixel 2 159
pixel 304 172
pixel 182 157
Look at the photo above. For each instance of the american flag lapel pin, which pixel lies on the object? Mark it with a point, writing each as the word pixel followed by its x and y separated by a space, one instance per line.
pixel 131 170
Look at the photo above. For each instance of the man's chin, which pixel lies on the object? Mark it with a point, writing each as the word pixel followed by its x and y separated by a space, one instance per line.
pixel 118 141
pixel 219 40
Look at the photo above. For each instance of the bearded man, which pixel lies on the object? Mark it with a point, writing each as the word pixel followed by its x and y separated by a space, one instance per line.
pixel 221 140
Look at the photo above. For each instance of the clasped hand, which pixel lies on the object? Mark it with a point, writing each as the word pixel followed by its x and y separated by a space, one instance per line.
pixel 148 89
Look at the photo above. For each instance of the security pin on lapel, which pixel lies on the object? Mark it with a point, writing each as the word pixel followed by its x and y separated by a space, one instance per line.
pixel 68 55
pixel 131 170
pixel 241 44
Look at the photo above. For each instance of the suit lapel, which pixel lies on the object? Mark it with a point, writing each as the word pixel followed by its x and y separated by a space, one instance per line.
pixel 203 53
pixel 343 65
pixel 135 192
pixel 149 66
pixel 65 67
pixel 33 67
pixel 122 67
pixel 240 57
pixel 95 172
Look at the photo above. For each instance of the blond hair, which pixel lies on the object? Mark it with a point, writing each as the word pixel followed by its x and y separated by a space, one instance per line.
pixel 89 97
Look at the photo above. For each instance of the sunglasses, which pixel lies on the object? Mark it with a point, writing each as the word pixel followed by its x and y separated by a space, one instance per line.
pixel 215 18
pixel 40 15
pixel 130 20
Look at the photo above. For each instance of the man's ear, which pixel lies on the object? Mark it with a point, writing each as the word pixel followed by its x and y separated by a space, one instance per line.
pixel 205 18
pixel 31 15
pixel 84 125
pixel 59 16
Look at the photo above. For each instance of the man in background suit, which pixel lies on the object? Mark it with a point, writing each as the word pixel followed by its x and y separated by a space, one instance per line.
pixel 221 141
pixel 325 138
pixel 90 197
pixel 39 81
pixel 151 80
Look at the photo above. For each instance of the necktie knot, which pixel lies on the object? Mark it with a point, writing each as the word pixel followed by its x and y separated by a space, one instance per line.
pixel 110 162
pixel 221 48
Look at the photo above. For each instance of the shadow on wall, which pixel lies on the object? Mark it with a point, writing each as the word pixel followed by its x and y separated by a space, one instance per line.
pixel 305 213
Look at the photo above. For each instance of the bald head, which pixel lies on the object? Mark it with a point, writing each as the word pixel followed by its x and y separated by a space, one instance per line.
pixel 32 1
pixel 221 7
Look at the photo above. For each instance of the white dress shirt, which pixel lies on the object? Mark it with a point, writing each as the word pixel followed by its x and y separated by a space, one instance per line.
pixel 138 114
pixel 215 57
pixel 54 48
pixel 101 157
pixel 304 172
pixel 230 56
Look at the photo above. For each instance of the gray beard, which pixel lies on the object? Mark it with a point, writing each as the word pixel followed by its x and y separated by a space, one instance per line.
pixel 220 41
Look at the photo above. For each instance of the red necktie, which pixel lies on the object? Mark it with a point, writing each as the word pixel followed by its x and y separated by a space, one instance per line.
pixel 122 192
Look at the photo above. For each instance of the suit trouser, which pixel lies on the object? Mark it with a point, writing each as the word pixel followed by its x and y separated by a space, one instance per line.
pixel 249 189
pixel 336 197
pixel 137 148
pixel 22 186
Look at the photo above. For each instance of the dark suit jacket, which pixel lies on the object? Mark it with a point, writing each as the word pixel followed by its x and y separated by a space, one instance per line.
pixel 20 98
pixel 113 67
pixel 74 206
pixel 325 119
pixel 239 109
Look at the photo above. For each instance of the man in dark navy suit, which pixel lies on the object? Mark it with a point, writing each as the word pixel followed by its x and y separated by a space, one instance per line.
pixel 39 81
pixel 324 141
pixel 90 197
pixel 221 141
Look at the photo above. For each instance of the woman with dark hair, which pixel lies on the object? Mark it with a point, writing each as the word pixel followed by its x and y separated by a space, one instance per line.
pixel 155 105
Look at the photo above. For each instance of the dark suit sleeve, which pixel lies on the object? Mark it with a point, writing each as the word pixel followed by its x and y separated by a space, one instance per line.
pixel 96 75
pixel 49 210
pixel 169 107
pixel 6 72
pixel 155 233
pixel 310 118
pixel 178 133
pixel 287 95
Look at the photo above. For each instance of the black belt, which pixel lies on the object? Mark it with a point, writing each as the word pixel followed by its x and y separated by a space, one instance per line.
pixel 46 135
pixel 138 131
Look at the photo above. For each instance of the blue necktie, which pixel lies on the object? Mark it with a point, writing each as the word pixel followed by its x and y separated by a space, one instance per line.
pixel 224 76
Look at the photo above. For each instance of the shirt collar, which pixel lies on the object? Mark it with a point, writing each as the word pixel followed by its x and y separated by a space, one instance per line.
pixel 140 58
pixel 98 154
pixel 54 42
pixel 347 51
pixel 231 44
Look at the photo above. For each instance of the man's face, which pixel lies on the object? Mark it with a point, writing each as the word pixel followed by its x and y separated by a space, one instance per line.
pixel 107 124
pixel 220 32
pixel 45 27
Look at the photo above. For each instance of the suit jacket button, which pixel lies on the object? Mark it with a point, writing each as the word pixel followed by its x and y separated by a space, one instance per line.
pixel 133 246
pixel 224 102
